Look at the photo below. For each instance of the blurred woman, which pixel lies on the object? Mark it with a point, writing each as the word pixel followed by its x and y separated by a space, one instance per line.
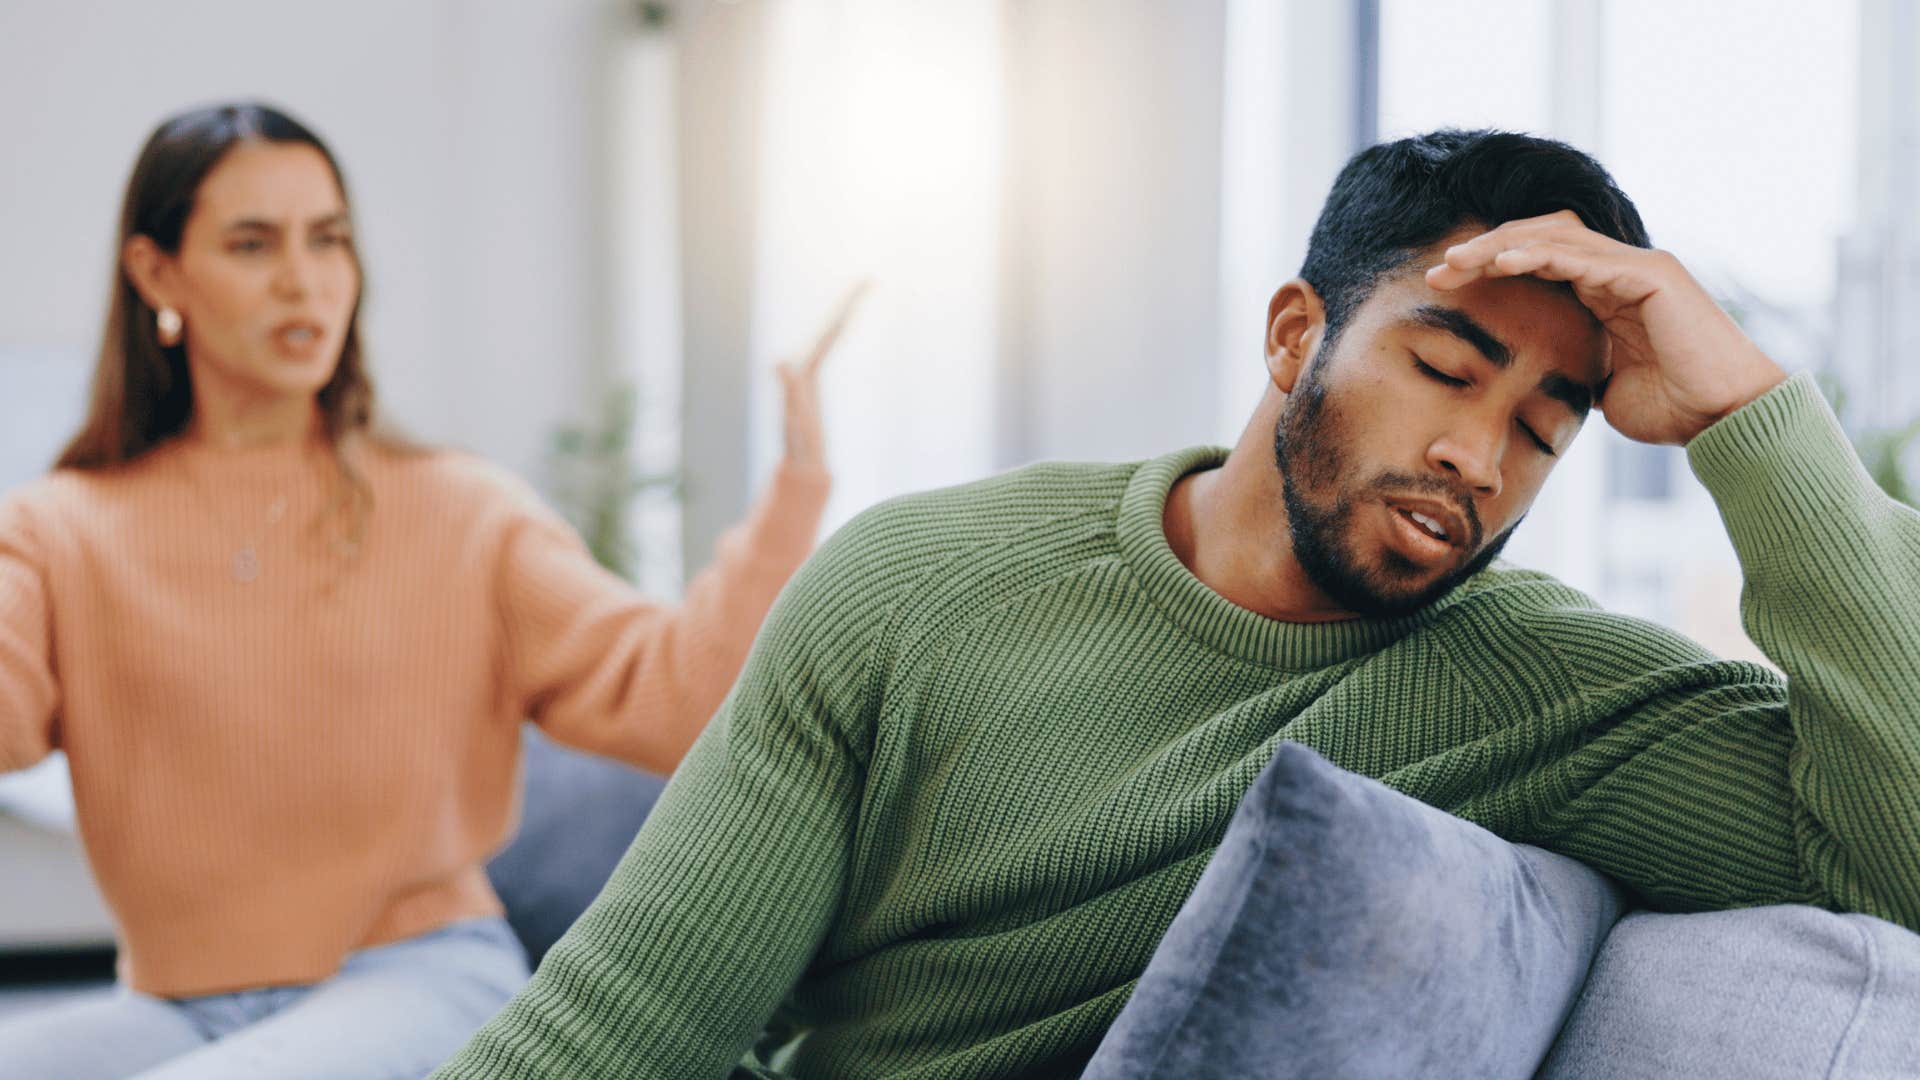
pixel 287 655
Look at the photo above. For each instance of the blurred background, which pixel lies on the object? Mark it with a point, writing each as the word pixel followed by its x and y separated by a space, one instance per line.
pixel 591 228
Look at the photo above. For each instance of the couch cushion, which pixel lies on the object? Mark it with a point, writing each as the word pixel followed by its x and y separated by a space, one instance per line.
pixel 578 815
pixel 1773 993
pixel 1346 930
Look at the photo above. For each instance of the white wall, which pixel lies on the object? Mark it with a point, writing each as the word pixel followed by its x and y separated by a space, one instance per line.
pixel 466 129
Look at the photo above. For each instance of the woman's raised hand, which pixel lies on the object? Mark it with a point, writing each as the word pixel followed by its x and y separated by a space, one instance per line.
pixel 800 386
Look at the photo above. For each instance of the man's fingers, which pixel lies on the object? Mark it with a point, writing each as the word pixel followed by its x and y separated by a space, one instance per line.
pixel 1625 276
pixel 1554 228
pixel 1562 227
pixel 1550 261
pixel 1444 276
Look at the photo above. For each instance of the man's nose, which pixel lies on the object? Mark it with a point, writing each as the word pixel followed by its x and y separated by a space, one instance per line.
pixel 1473 458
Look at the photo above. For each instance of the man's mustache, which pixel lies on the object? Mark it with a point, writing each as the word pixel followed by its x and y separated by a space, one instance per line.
pixel 1394 483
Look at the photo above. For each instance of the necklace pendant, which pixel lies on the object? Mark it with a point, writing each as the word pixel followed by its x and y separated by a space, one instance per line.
pixel 246 565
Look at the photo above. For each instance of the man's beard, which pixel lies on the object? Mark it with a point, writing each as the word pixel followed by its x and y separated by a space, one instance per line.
pixel 1307 445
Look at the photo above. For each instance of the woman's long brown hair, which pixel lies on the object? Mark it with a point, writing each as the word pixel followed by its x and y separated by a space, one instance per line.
pixel 142 390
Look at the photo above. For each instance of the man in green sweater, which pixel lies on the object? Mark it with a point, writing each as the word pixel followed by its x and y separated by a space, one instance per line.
pixel 990 736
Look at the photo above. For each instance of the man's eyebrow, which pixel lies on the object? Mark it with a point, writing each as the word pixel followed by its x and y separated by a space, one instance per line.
pixel 1461 325
pixel 1574 395
pixel 1577 396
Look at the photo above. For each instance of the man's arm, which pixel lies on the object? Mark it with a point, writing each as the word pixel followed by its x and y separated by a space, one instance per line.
pixel 730 886
pixel 1832 568
pixel 1706 783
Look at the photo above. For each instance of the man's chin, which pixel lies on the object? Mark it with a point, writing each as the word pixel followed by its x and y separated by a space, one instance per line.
pixel 1387 604
pixel 1392 587
pixel 1398 586
pixel 1367 574
pixel 1396 571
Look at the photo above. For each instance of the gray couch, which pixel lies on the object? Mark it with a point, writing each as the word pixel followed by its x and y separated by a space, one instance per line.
pixel 1454 953
pixel 1344 931
pixel 1404 898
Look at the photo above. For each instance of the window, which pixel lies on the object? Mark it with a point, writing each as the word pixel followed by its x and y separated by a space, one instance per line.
pixel 1746 175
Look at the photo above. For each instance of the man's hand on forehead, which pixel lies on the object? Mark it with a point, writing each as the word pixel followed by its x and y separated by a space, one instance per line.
pixel 1679 362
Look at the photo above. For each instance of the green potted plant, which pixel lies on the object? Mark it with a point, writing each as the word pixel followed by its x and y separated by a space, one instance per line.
pixel 595 482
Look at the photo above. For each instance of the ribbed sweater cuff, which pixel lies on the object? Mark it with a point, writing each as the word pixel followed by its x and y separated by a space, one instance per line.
pixel 1782 471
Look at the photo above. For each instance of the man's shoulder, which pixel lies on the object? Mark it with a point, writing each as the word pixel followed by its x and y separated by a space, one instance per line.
pixel 1527 646
pixel 942 546
pixel 1012 504
pixel 1041 489
pixel 1539 614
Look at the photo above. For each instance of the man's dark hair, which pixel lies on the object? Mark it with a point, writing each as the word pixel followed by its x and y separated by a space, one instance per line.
pixel 1397 198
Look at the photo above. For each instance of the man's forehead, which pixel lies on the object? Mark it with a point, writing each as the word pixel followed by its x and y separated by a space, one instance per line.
pixel 1508 320
pixel 1542 335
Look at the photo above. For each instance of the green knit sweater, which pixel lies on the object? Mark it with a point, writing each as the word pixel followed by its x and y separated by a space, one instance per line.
pixel 990 736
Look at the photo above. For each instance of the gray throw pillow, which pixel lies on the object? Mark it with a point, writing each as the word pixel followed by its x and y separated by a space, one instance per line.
pixel 1344 930
pixel 1772 993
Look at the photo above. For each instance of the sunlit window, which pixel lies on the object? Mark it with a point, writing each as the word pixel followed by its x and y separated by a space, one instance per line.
pixel 1733 127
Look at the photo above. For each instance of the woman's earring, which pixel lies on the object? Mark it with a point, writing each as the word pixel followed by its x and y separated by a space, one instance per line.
pixel 168 322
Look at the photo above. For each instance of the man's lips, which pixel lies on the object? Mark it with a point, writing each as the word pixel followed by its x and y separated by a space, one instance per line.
pixel 1433 520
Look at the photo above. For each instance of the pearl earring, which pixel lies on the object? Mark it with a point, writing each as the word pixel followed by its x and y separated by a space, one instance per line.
pixel 168 322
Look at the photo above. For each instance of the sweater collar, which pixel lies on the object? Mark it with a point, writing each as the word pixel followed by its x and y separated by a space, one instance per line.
pixel 1213 619
pixel 284 462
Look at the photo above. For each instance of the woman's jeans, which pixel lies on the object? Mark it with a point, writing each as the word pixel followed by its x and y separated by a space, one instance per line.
pixel 393 1011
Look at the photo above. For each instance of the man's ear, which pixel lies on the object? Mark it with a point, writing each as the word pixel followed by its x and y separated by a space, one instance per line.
pixel 1295 321
pixel 151 271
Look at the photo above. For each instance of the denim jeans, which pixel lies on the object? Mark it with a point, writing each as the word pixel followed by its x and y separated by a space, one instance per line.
pixel 393 1011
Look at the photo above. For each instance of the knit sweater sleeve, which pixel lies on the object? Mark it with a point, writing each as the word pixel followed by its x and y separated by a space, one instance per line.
pixel 732 883
pixel 29 692
pixel 601 667
pixel 1708 783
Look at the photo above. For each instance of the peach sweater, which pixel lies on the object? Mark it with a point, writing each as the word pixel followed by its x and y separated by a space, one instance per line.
pixel 270 773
